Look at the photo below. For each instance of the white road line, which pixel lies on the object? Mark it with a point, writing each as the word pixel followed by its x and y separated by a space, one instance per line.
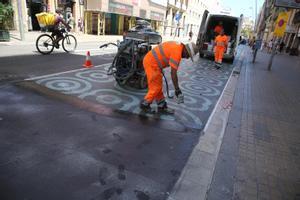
pixel 65 72
pixel 216 105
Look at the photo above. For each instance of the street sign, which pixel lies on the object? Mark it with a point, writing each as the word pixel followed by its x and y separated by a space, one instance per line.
pixel 288 3
pixel 177 16
pixel 281 22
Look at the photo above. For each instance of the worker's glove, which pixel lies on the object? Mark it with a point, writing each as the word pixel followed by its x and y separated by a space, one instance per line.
pixel 179 96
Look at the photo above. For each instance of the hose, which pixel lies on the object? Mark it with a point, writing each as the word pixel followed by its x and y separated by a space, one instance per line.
pixel 167 85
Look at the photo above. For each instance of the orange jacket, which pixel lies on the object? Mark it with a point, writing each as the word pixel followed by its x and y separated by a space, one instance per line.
pixel 221 41
pixel 165 54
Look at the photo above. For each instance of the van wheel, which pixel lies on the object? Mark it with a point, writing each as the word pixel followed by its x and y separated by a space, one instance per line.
pixel 201 55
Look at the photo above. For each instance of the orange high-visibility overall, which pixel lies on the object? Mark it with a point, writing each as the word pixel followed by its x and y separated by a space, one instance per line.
pixel 221 44
pixel 162 56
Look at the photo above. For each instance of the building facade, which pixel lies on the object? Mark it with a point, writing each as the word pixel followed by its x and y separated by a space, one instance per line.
pixel 267 21
pixel 30 8
pixel 114 17
pixel 97 17
pixel 195 12
pixel 175 18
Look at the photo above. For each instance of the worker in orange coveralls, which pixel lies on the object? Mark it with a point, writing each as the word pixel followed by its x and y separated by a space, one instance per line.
pixel 220 46
pixel 164 55
pixel 218 29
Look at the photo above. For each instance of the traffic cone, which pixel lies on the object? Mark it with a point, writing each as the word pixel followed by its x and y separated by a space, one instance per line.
pixel 88 62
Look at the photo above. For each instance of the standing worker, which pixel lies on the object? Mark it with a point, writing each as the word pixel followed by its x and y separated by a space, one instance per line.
pixel 220 46
pixel 164 55
pixel 218 28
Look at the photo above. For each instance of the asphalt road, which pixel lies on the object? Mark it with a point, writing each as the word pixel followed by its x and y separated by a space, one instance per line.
pixel 58 143
pixel 26 66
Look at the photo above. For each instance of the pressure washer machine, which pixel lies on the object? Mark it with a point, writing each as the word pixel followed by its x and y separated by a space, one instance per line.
pixel 127 66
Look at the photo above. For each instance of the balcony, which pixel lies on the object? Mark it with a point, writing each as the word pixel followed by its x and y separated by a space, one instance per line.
pixel 175 4
pixel 183 7
pixel 171 2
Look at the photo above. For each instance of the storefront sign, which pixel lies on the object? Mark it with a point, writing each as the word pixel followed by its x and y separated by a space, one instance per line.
pixel 288 3
pixel 119 8
pixel 156 16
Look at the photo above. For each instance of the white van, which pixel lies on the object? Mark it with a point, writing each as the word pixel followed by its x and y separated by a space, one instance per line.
pixel 232 28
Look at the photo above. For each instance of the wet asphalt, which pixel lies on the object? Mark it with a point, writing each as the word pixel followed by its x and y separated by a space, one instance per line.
pixel 57 146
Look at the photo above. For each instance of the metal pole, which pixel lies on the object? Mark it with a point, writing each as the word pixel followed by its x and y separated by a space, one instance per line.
pixel 255 11
pixel 20 17
pixel 272 56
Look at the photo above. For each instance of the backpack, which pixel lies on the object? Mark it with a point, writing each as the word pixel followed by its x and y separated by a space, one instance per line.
pixel 45 19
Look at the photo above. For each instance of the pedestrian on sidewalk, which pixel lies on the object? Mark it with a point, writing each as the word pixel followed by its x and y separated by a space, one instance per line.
pixel 220 46
pixel 80 25
pixel 281 46
pixel 190 35
pixel 166 54
pixel 270 46
pixel 71 21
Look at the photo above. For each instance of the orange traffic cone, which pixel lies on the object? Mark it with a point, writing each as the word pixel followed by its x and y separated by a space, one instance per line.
pixel 88 62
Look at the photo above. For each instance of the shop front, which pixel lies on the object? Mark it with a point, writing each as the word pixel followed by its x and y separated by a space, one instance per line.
pixel 119 18
pixel 94 22
pixel 157 21
pixel 34 7
pixel 37 6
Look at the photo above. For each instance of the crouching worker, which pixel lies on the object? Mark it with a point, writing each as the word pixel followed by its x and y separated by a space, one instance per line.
pixel 220 46
pixel 164 55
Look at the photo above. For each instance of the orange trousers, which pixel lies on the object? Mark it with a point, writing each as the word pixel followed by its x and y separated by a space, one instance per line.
pixel 154 79
pixel 219 52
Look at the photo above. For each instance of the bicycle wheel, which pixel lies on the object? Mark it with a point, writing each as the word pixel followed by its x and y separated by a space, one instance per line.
pixel 44 44
pixel 69 43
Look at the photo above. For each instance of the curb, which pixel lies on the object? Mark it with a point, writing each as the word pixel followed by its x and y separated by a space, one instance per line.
pixel 196 177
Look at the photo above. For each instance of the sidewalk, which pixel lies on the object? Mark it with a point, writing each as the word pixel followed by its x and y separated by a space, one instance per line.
pixel 85 42
pixel 260 153
pixel 31 36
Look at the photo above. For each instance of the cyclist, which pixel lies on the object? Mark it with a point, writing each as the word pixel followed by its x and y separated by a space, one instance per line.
pixel 57 33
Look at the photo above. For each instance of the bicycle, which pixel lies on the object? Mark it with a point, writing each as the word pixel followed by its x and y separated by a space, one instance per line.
pixel 45 42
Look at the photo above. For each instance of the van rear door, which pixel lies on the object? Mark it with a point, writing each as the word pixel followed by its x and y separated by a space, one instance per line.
pixel 202 29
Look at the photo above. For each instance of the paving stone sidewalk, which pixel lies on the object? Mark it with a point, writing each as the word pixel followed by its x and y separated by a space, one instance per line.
pixel 259 156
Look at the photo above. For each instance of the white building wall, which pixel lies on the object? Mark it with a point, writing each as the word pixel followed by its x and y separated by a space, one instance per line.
pixel 194 14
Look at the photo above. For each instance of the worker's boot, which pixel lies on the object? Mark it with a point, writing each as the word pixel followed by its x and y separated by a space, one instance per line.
pixel 163 108
pixel 218 65
pixel 145 106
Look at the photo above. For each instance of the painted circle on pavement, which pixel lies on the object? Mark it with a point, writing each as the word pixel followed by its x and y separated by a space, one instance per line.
pixel 67 85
